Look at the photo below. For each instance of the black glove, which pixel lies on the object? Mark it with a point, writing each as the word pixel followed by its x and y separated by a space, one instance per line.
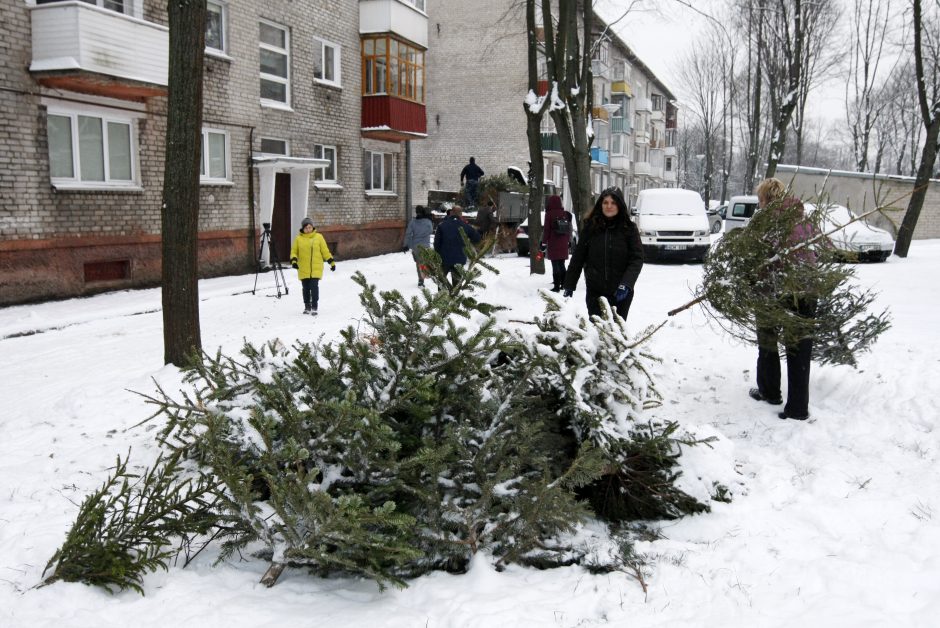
pixel 332 264
pixel 543 247
pixel 567 293
pixel 293 262
pixel 622 293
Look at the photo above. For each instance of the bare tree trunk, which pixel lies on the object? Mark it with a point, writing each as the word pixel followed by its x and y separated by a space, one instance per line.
pixel 757 88
pixel 793 53
pixel 180 215
pixel 534 135
pixel 930 113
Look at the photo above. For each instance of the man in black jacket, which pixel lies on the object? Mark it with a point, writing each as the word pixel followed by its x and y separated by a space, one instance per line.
pixel 471 173
pixel 449 244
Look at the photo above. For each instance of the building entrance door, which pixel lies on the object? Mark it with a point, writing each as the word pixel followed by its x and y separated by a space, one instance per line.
pixel 281 227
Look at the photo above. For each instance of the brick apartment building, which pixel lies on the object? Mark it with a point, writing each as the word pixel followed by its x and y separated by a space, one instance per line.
pixel 309 109
pixel 477 83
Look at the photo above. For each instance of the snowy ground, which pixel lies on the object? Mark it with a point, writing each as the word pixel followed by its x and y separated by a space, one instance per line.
pixel 838 522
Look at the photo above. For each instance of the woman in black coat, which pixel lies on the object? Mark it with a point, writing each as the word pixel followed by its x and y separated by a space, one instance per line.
pixel 610 253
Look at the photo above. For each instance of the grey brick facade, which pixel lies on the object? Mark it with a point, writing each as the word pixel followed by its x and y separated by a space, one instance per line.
pixel 49 236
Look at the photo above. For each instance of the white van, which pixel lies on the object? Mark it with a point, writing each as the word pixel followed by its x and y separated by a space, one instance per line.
pixel 672 223
pixel 739 211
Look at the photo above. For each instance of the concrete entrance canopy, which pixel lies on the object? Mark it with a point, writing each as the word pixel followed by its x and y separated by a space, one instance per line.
pixel 299 169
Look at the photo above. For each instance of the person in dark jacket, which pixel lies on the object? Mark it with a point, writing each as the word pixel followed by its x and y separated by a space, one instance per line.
pixel 610 252
pixel 449 244
pixel 771 195
pixel 555 242
pixel 471 173
pixel 418 237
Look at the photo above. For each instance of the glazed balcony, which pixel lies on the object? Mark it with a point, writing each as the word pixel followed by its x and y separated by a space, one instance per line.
pixel 399 17
pixel 551 143
pixel 600 156
pixel 81 47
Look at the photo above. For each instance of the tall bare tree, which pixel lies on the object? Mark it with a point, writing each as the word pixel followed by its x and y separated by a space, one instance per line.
pixel 568 51
pixel 868 32
pixel 180 215
pixel 535 109
pixel 701 73
pixel 927 73
pixel 819 60
pixel 783 64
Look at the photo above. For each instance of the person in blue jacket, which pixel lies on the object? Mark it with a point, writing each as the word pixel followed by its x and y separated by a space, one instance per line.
pixel 449 244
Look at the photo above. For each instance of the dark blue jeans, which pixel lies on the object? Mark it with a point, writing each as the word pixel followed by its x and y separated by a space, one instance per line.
pixel 470 192
pixel 798 363
pixel 311 291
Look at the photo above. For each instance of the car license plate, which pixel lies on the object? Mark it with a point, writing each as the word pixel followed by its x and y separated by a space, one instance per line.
pixel 868 247
pixel 675 247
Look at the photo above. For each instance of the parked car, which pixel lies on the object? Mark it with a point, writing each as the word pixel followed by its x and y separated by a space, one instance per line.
pixel 739 211
pixel 673 224
pixel 522 236
pixel 856 241
pixel 715 216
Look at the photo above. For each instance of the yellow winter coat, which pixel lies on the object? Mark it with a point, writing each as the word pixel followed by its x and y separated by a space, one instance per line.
pixel 309 251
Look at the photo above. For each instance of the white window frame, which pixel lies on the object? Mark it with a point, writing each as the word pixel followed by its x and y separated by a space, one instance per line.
pixel 371 155
pixel 204 177
pixel 322 149
pixel 106 116
pixel 263 76
pixel 337 61
pixel 286 152
pixel 420 5
pixel 223 16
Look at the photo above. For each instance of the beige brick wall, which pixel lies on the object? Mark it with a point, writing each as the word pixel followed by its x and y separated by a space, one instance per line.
pixel 862 192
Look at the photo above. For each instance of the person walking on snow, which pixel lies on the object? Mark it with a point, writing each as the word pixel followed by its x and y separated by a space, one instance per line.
pixel 308 253
pixel 610 252
pixel 418 238
pixel 449 244
pixel 556 238
pixel 471 173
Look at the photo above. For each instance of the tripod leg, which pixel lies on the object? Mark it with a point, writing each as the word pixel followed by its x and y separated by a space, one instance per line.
pixel 264 239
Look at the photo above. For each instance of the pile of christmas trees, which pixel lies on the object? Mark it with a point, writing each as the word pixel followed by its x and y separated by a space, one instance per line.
pixel 425 434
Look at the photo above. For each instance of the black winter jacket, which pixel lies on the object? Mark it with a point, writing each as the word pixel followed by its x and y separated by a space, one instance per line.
pixel 610 254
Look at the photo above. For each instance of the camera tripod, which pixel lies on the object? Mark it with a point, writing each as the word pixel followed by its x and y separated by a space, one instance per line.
pixel 275 262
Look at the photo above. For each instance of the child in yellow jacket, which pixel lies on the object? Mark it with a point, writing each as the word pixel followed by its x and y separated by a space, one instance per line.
pixel 307 254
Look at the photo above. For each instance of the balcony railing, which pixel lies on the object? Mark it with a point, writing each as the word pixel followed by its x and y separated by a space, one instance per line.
pixel 643 104
pixel 393 119
pixel 642 168
pixel 669 151
pixel 550 142
pixel 620 163
pixel 392 16
pixel 620 125
pixel 599 155
pixel 599 113
pixel 641 137
pixel 669 176
pixel 621 87
pixel 657 116
pixel 80 38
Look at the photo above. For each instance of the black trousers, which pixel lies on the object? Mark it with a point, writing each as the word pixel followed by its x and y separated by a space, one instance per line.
pixel 558 273
pixel 594 307
pixel 798 364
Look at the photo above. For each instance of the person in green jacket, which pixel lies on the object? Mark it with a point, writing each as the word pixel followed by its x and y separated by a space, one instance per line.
pixel 307 254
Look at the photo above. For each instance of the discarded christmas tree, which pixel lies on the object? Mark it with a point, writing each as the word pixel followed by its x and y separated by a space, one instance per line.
pixel 755 276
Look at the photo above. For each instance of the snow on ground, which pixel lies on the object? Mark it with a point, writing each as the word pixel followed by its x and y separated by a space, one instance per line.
pixel 834 522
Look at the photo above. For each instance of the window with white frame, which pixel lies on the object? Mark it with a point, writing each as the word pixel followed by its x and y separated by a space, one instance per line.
pixel 326 61
pixel 326 174
pixel 91 149
pixel 275 64
pixel 378 171
pixel 215 166
pixel 418 4
pixel 216 19
pixel 275 146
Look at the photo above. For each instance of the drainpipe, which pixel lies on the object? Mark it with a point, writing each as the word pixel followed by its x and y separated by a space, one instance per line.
pixel 408 207
pixel 251 198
